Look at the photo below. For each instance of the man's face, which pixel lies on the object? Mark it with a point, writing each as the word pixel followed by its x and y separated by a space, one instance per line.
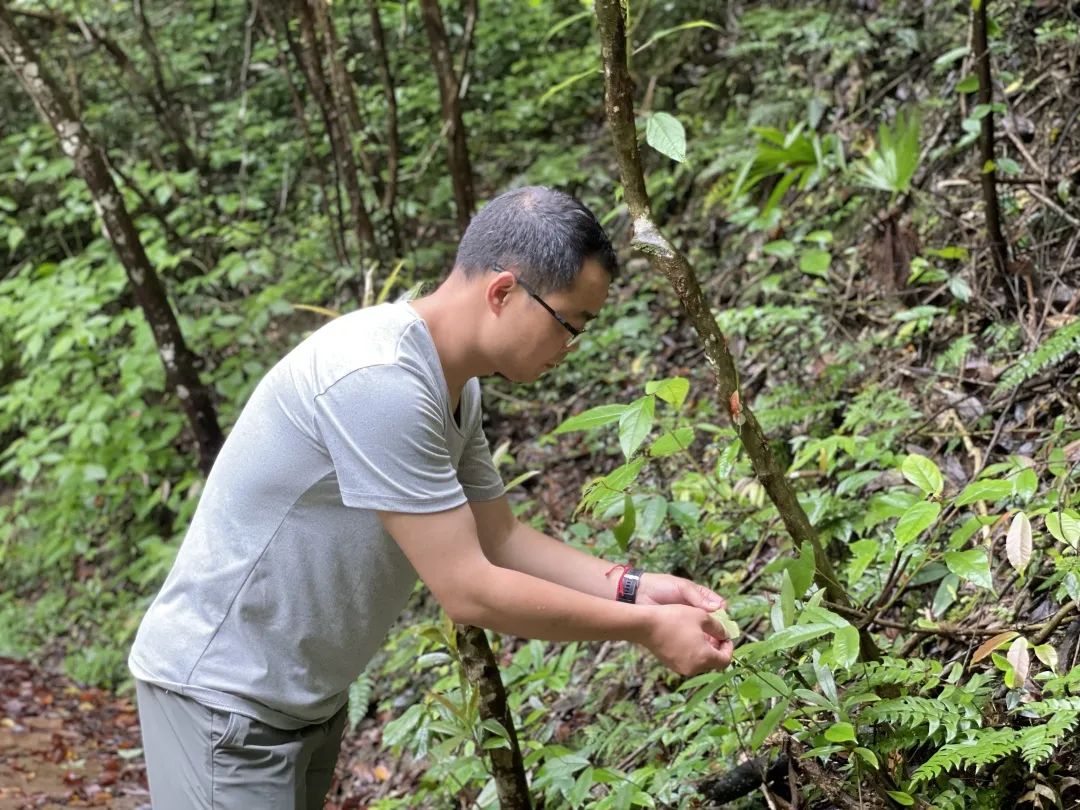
pixel 539 341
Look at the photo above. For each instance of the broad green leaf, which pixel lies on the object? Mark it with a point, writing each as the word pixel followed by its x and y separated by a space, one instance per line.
pixel 923 473
pixel 840 732
pixel 918 517
pixel 594 417
pixel 946 594
pixel 1064 526
pixel 635 424
pixel 666 135
pixel 781 248
pixel 672 390
pixel 869 757
pixel 971 565
pixel 815 262
pixel 768 724
pixel 730 628
pixel 802 570
pixel 672 442
pixel 991 489
pixel 969 84
pixel 846 646
pixel 784 639
pixel 1018 542
pixel 651 513
pixel 863 552
pixel 900 797
pixel 625 530
pixel 1047 653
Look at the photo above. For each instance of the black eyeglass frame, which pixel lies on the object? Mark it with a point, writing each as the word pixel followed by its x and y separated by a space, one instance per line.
pixel 575 333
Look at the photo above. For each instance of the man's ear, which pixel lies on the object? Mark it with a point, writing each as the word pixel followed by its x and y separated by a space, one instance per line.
pixel 497 292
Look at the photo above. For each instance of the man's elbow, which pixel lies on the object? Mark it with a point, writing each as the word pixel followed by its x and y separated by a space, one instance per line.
pixel 466 600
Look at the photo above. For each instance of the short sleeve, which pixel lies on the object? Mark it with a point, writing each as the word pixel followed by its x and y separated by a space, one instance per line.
pixel 476 471
pixel 384 429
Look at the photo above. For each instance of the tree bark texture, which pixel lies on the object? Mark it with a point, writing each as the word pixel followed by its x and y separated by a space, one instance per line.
pixel 449 96
pixel 308 53
pixel 619 109
pixel 163 106
pixel 382 62
pixel 483 673
pixel 181 365
pixel 999 247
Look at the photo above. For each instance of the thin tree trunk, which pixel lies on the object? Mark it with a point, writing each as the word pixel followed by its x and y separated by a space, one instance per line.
pixel 999 247
pixel 181 365
pixel 162 106
pixel 449 90
pixel 308 54
pixel 393 143
pixel 619 109
pixel 482 671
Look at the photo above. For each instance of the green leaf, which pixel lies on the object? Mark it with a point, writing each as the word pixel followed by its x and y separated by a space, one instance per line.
pixel 625 530
pixel 768 724
pixel 802 570
pixel 666 135
pixel 673 442
pixel 815 262
pixel 781 248
pixel 969 84
pixel 1064 526
pixel 947 58
pixel 918 517
pixel 869 757
pixel 923 473
pixel 672 390
pixel 731 630
pixel 592 418
pixel 991 489
pixel 840 732
pixel 971 565
pixel 784 639
pixel 635 424
pixel 846 646
pixel 900 797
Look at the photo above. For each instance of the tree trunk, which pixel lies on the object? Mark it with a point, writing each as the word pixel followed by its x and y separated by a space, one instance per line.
pixel 999 247
pixel 181 374
pixel 457 151
pixel 393 141
pixel 619 109
pixel 308 54
pixel 483 673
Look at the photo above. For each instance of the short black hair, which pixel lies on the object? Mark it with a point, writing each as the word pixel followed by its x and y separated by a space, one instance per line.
pixel 544 234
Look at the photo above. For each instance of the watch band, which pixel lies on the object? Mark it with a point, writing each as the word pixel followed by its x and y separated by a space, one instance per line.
pixel 628 585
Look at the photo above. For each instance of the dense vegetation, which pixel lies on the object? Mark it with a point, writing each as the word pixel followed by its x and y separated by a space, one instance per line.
pixel 822 165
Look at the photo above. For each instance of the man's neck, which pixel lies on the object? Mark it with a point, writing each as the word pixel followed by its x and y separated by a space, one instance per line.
pixel 451 322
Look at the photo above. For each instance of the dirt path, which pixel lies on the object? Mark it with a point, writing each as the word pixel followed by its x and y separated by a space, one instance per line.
pixel 62 745
pixel 65 746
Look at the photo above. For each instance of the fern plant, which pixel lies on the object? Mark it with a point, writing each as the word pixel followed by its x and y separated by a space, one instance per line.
pixel 1059 344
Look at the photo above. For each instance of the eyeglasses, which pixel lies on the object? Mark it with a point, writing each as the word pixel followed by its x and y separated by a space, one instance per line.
pixel 575 334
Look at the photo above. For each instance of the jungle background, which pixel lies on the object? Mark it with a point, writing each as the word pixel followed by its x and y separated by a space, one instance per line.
pixel 879 201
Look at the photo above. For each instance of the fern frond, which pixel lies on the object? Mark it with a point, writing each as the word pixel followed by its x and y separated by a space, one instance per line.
pixel 983 747
pixel 913 673
pixel 1051 706
pixel 1037 743
pixel 1059 344
pixel 932 714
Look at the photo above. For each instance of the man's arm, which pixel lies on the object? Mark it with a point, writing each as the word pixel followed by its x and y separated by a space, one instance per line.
pixel 445 550
pixel 509 543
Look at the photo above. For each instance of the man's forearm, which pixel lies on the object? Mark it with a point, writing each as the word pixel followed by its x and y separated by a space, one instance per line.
pixel 509 601
pixel 534 553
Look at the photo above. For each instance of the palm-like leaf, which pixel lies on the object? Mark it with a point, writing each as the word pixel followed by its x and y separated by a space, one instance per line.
pixel 891 166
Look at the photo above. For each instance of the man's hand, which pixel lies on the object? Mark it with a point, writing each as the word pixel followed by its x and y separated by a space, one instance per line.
pixel 688 640
pixel 665 589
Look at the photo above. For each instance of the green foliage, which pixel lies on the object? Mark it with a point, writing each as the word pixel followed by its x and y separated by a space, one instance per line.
pixel 892 163
pixel 1063 342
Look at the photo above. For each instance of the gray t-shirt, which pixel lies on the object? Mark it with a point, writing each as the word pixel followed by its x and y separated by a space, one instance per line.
pixel 286 582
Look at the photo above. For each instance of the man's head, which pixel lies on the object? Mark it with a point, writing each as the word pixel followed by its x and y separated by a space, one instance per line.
pixel 543 264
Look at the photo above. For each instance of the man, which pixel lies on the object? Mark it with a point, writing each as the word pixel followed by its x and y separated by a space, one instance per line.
pixel 358 463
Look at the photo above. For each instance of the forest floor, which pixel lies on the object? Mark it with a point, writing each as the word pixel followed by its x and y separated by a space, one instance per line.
pixel 65 745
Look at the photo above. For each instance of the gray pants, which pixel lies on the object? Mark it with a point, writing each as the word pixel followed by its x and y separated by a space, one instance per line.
pixel 198 757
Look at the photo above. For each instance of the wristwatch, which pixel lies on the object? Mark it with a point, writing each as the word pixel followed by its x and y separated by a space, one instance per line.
pixel 628 585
